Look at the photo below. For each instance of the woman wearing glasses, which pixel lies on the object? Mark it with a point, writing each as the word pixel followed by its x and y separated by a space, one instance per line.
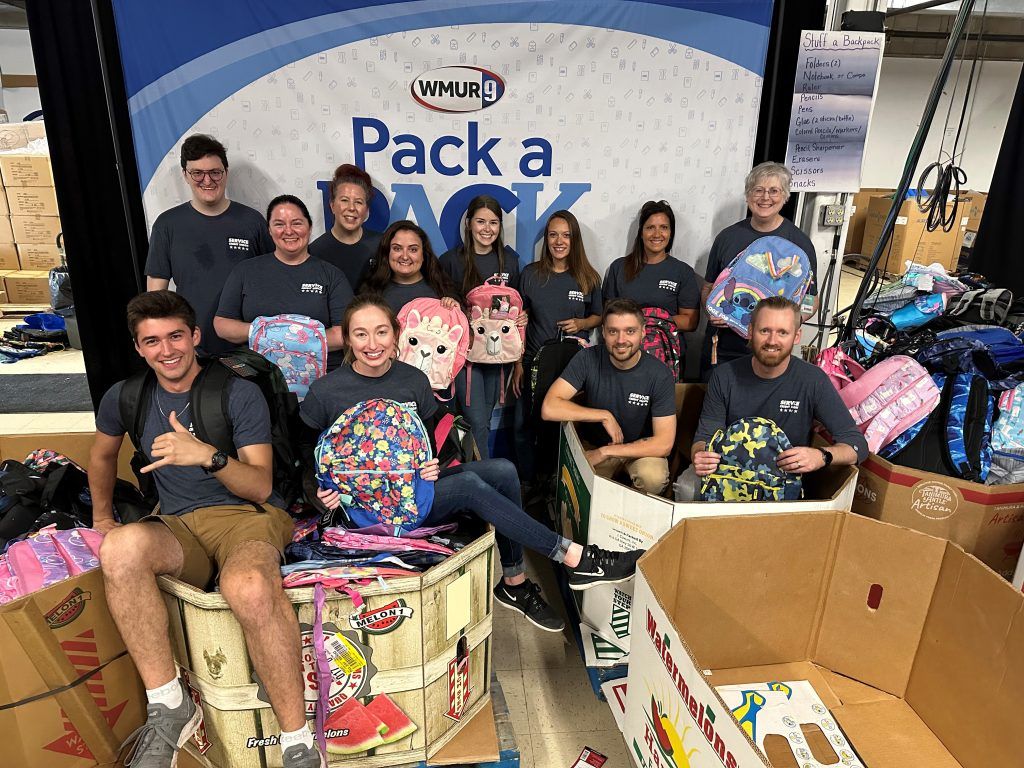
pixel 766 189
pixel 287 281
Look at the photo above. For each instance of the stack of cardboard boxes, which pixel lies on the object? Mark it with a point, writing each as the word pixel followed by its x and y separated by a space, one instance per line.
pixel 29 220
pixel 911 240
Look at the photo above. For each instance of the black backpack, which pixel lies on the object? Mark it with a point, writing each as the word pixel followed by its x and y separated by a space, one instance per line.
pixel 548 364
pixel 209 398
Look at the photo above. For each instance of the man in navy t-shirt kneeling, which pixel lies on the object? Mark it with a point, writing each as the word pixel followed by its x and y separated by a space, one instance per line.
pixel 628 420
pixel 219 516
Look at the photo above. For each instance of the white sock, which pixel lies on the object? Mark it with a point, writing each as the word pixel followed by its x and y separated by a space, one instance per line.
pixel 301 736
pixel 168 694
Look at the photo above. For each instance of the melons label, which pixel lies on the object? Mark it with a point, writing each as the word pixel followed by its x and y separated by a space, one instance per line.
pixel 381 621
pixel 349 661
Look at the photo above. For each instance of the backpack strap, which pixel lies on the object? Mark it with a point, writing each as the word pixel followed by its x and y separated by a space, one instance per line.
pixel 964 301
pixel 133 405
pixel 209 396
pixel 995 304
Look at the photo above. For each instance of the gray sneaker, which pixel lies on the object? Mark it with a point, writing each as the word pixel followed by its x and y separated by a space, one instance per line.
pixel 301 756
pixel 156 742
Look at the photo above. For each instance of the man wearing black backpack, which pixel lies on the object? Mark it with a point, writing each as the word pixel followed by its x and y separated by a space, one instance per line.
pixel 219 516
pixel 773 384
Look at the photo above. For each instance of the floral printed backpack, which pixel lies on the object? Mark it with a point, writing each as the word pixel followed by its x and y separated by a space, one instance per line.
pixel 372 456
pixel 294 343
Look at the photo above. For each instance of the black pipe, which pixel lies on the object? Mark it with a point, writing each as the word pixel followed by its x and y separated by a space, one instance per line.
pixel 915 155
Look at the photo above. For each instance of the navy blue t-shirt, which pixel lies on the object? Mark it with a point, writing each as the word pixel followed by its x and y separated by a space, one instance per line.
pixel 670 285
pixel 551 298
pixel 183 489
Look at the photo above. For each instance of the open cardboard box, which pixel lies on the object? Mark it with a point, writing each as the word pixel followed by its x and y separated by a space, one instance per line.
pixel 986 520
pixel 614 515
pixel 915 646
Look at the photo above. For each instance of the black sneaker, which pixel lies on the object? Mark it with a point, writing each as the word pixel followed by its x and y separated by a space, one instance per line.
pixel 599 566
pixel 526 599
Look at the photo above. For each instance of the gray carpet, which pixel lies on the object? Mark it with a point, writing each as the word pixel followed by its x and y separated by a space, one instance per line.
pixel 44 393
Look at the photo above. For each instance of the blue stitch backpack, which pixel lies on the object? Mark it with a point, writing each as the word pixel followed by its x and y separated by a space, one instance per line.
pixel 372 456
pixel 769 266
pixel 955 439
pixel 747 471
pixel 294 343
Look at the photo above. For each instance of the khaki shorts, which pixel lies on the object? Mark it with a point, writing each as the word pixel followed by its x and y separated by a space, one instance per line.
pixel 209 534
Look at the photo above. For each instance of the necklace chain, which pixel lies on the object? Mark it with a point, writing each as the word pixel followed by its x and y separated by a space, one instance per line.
pixel 160 408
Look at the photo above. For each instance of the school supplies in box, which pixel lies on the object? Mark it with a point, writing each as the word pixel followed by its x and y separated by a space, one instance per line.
pixel 788 721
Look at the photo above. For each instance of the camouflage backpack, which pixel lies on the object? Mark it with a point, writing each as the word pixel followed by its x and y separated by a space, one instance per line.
pixel 747 471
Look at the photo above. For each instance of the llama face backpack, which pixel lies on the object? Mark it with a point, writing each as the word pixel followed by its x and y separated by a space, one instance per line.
pixel 769 266
pixel 294 343
pixel 433 339
pixel 493 311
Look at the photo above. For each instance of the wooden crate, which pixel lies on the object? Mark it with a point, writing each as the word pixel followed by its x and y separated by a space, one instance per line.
pixel 434 661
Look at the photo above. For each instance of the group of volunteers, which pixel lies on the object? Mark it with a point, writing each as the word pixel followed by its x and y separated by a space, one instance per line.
pixel 221 520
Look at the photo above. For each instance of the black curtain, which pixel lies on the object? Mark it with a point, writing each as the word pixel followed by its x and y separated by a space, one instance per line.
pixel 996 252
pixel 789 17
pixel 81 87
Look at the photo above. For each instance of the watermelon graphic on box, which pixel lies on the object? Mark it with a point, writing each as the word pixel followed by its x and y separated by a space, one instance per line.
pixel 354 727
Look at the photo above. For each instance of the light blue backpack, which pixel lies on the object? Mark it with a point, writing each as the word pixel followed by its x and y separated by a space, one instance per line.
pixel 294 343
pixel 769 266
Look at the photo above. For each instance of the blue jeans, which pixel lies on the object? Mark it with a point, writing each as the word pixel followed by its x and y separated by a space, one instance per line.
pixel 490 490
pixel 483 382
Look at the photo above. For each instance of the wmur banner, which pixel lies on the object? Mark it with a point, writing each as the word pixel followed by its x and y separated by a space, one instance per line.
pixel 589 106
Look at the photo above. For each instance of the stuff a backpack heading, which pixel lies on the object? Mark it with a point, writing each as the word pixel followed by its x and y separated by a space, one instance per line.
pixel 372 456
pixel 770 266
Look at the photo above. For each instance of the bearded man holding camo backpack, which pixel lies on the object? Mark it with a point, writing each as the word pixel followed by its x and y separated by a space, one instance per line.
pixel 772 384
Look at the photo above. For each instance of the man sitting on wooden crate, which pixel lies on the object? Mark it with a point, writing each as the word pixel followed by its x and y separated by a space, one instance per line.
pixel 628 420
pixel 219 517
pixel 773 384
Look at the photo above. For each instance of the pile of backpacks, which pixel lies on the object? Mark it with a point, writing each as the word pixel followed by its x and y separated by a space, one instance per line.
pixel 934 375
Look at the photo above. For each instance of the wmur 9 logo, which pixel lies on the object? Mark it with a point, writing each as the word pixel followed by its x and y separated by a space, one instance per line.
pixel 457 89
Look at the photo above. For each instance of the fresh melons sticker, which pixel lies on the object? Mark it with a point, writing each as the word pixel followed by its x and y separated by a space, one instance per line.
pixel 349 662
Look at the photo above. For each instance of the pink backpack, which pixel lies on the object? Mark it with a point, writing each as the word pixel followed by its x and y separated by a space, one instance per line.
pixel 433 339
pixel 493 309
pixel 889 398
pixel 841 369
pixel 46 558
pixel 294 343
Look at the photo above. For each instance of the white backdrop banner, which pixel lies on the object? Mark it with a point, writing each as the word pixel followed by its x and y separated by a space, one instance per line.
pixel 589 106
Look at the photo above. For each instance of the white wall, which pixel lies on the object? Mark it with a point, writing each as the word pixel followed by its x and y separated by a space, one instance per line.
pixel 902 91
pixel 16 59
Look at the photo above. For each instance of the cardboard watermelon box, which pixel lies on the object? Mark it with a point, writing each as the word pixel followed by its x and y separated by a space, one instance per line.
pixel 614 515
pixel 915 647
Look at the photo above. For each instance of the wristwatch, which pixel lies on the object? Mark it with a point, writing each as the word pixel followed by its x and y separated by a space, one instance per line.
pixel 827 455
pixel 218 461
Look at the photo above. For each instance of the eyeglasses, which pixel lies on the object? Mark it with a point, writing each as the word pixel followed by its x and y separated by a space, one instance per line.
pixel 774 193
pixel 197 176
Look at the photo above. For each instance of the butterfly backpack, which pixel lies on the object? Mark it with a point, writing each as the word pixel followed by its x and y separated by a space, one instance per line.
pixel 434 339
pixel 294 343
pixel 769 266
pixel 372 456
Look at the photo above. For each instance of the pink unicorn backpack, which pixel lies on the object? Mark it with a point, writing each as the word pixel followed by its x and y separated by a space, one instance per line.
pixel 294 343
pixel 493 310
pixel 889 398
pixel 434 339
